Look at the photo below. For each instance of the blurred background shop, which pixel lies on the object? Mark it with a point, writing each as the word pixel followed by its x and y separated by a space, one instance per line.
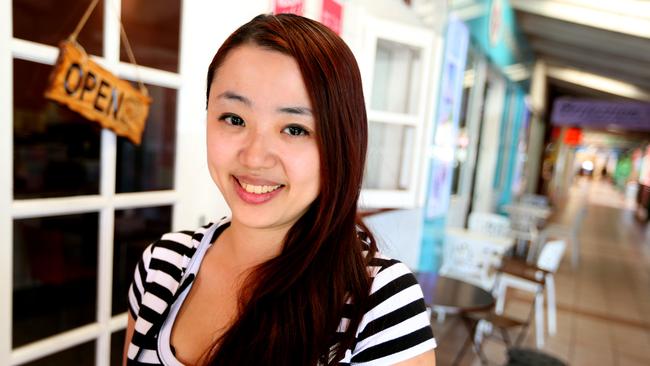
pixel 532 113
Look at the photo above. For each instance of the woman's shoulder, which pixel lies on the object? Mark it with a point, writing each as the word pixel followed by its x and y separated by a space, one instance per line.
pixel 186 241
pixel 390 275
pixel 395 326
pixel 178 247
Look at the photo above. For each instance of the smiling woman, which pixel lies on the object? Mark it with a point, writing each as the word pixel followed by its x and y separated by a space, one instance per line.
pixel 293 277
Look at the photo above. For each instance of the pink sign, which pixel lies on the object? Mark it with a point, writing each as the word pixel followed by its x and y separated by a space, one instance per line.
pixel 331 15
pixel 288 6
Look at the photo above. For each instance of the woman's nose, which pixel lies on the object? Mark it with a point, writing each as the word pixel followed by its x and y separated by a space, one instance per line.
pixel 257 152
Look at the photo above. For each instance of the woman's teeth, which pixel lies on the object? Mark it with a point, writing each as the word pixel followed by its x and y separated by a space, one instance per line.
pixel 259 189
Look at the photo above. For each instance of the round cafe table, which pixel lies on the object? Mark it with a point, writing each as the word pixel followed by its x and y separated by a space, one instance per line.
pixel 453 296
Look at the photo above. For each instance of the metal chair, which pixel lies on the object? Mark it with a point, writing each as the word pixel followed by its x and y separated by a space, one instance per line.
pixel 470 258
pixel 534 278
pixel 489 223
pixel 570 232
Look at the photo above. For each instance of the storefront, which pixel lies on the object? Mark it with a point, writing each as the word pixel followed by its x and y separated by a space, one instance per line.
pixel 491 143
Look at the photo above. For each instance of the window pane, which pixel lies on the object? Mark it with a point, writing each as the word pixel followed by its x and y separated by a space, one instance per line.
pixel 81 355
pixel 397 78
pixel 56 151
pixel 134 230
pixel 54 275
pixel 117 347
pixel 150 166
pixel 390 153
pixel 51 21
pixel 153 28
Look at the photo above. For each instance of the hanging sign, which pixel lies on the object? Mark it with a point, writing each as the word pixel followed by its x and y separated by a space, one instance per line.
pixel 588 113
pixel 331 15
pixel 288 6
pixel 95 93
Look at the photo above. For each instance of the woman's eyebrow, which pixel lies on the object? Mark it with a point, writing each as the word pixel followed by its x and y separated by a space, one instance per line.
pixel 229 95
pixel 296 110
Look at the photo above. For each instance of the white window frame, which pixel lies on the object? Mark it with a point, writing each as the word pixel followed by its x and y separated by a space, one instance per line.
pixel 415 37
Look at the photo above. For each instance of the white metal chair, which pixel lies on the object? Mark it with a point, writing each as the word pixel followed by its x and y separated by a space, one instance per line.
pixel 570 232
pixel 535 199
pixel 472 257
pixel 537 279
pixel 489 223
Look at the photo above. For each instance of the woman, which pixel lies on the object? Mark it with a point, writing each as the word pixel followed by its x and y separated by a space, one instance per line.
pixel 293 277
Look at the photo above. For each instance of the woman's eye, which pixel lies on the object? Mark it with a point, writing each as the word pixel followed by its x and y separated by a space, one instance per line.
pixel 295 131
pixel 232 119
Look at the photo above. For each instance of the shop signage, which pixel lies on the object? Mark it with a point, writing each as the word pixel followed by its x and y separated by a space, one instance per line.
pixel 573 136
pixel 331 15
pixel 446 123
pixel 631 116
pixel 288 6
pixel 95 93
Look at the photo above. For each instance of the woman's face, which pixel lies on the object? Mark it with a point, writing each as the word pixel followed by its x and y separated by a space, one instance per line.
pixel 261 138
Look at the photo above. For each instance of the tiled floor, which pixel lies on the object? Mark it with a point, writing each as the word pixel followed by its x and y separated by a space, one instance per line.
pixel 603 305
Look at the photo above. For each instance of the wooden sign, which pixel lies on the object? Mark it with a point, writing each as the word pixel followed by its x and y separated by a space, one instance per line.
pixel 95 93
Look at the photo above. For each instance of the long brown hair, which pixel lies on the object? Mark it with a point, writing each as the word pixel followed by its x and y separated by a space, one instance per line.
pixel 291 306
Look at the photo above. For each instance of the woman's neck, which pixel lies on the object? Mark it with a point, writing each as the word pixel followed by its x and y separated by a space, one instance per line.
pixel 246 247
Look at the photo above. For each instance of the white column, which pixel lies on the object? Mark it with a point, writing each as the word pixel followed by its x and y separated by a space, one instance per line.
pixel 537 126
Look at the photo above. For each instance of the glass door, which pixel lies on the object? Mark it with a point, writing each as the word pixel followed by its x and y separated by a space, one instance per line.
pixel 79 204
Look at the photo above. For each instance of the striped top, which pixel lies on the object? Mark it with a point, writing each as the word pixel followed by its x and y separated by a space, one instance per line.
pixel 396 327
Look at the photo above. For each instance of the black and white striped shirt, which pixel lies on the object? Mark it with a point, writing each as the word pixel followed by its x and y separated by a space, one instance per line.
pixel 396 327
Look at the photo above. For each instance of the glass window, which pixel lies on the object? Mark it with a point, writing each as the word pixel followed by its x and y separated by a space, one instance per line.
pixel 54 275
pixel 81 355
pixel 396 79
pixel 51 21
pixel 153 28
pixel 150 166
pixel 117 347
pixel 390 154
pixel 134 230
pixel 56 151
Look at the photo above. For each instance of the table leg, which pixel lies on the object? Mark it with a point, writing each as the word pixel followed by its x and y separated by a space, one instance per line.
pixel 470 325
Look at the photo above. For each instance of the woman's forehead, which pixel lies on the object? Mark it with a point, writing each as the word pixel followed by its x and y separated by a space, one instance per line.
pixel 260 76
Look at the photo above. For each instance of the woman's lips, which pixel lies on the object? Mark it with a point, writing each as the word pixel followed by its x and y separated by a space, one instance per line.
pixel 256 191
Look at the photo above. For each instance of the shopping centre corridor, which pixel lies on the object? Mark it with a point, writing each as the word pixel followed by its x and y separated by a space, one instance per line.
pixel 603 305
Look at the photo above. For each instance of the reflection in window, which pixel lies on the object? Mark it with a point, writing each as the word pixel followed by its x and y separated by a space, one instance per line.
pixel 396 81
pixel 150 166
pixel 51 21
pixel 56 151
pixel 153 28
pixel 134 230
pixel 81 355
pixel 54 275
pixel 117 347
pixel 390 154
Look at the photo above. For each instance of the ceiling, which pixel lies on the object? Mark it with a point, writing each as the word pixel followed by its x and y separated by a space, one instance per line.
pixel 592 48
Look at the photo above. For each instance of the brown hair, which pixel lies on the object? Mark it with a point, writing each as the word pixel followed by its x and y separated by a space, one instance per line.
pixel 291 305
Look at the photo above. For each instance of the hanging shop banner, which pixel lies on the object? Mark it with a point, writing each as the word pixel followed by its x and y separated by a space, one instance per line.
pixel 446 123
pixel 331 15
pixel 631 116
pixel 444 142
pixel 95 93
pixel 288 6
